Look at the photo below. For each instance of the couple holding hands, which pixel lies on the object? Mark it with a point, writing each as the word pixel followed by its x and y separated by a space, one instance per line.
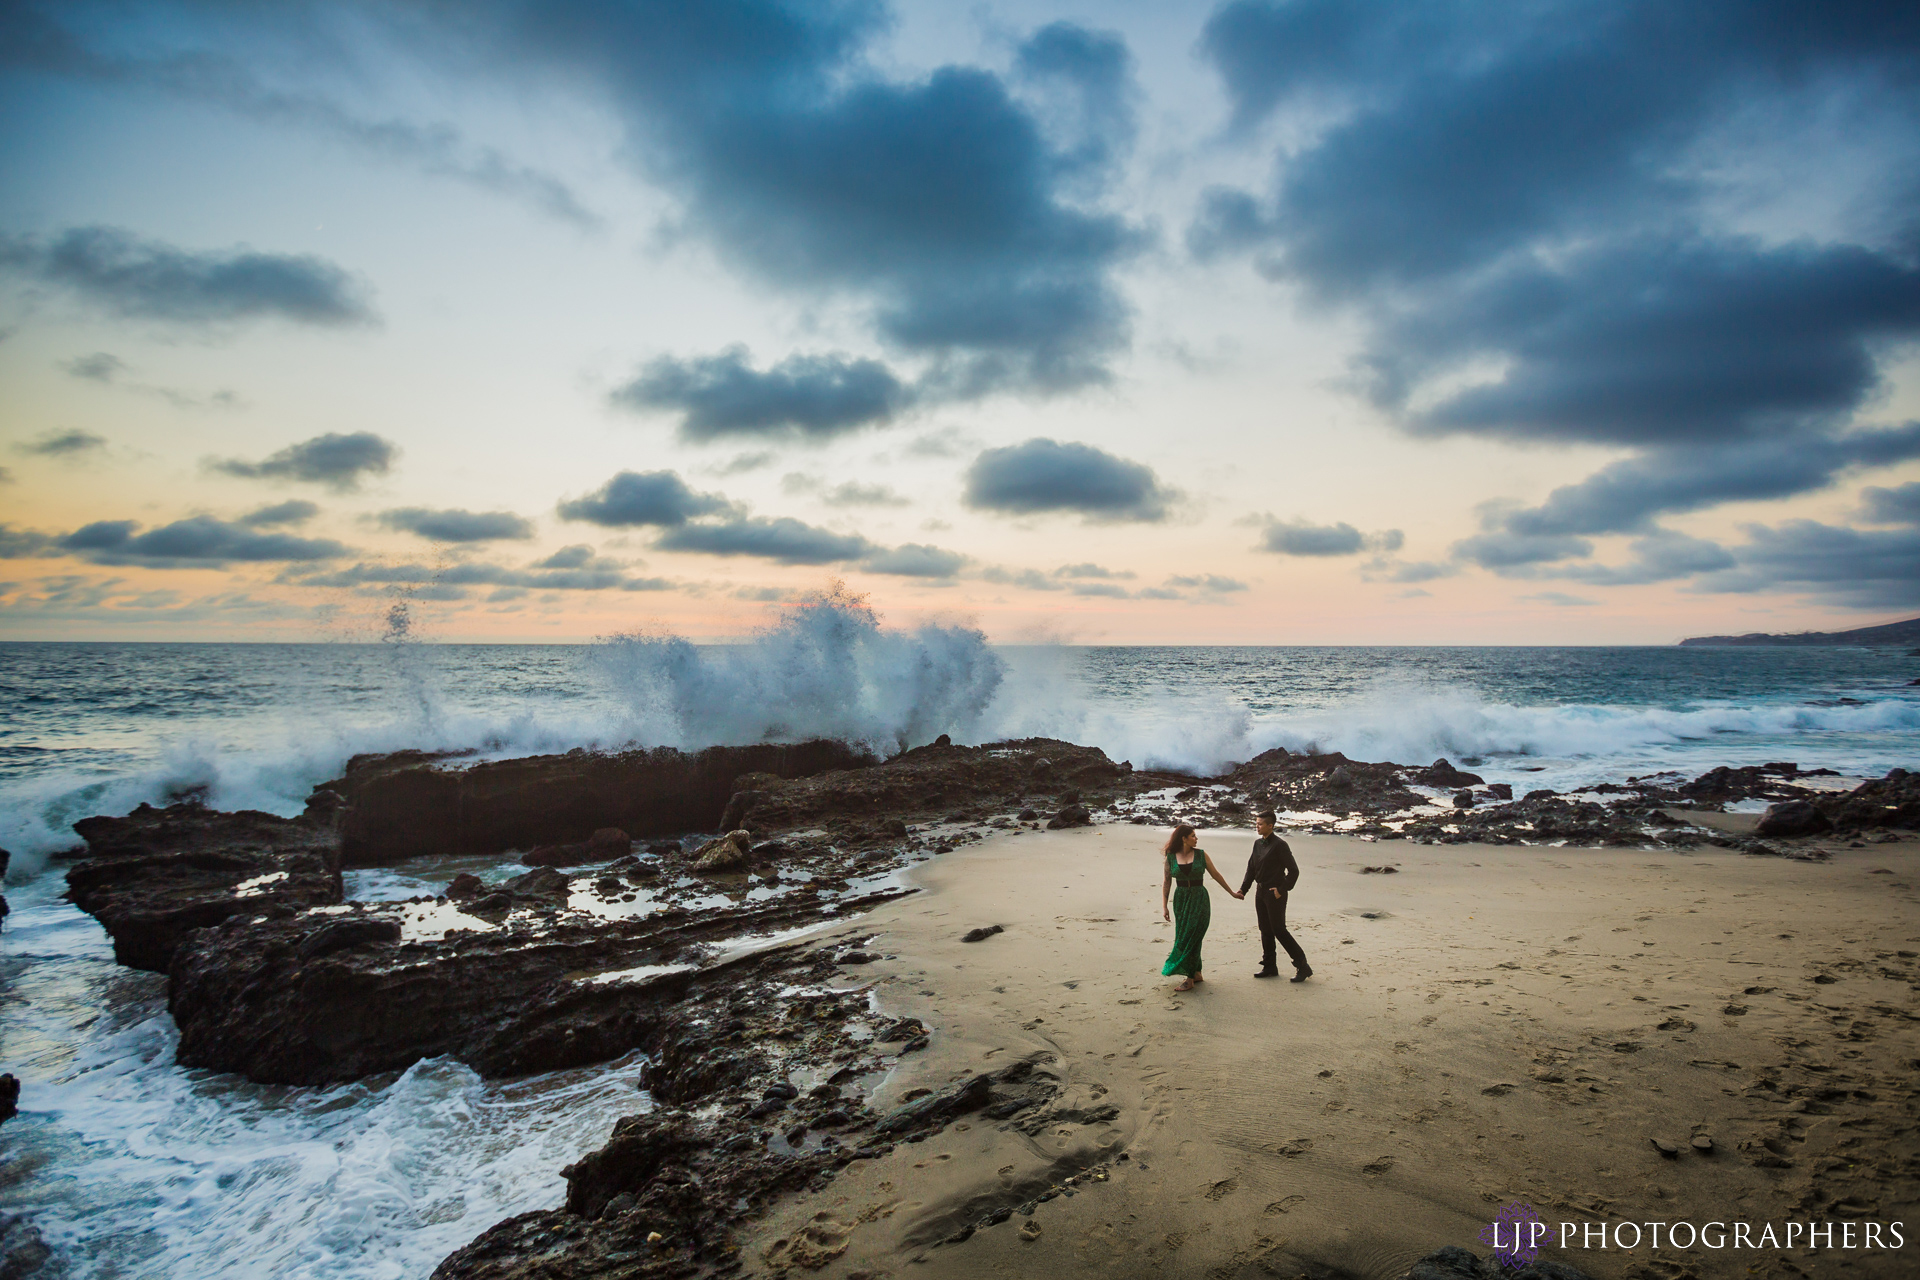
pixel 1271 868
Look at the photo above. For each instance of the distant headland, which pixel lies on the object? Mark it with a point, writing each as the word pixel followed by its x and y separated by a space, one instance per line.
pixel 1907 632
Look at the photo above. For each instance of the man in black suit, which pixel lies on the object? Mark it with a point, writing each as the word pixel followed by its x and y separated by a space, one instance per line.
pixel 1273 867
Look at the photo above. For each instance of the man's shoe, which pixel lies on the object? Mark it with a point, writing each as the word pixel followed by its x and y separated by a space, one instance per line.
pixel 1268 972
pixel 1301 973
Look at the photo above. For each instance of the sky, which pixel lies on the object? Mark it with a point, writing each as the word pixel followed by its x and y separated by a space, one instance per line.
pixel 1264 322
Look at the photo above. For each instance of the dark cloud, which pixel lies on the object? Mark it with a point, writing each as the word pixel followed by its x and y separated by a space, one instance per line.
pixel 295 511
pixel 1854 568
pixel 1044 475
pixel 960 215
pixel 659 498
pixel 1893 506
pixel 149 280
pixel 813 397
pixel 1300 538
pixel 781 539
pixel 456 525
pixel 101 366
pixel 572 557
pixel 64 444
pixel 1159 593
pixel 1653 342
pixel 17 544
pixel 1661 556
pixel 196 542
pixel 1503 549
pixel 1528 211
pixel 915 560
pixel 335 460
pixel 1385 570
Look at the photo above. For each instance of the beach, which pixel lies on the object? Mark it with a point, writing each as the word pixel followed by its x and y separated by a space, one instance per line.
pixel 1485 1026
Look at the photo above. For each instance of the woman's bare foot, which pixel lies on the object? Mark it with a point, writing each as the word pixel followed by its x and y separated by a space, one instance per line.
pixel 1198 978
pixel 1186 984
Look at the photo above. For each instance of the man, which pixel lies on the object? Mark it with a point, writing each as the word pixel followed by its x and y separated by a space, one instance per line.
pixel 1272 865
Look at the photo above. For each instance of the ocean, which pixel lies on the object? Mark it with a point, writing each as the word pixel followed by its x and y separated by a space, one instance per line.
pixel 130 1166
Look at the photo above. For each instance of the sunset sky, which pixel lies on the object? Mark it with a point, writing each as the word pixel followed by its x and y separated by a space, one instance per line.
pixel 1261 322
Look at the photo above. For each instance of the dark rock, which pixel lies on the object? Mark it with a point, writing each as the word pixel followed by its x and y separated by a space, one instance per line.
pixel 1069 796
pixel 1329 782
pixel 22 1250
pixel 465 886
pixel 408 804
pixel 344 935
pixel 728 853
pixel 1463 799
pixel 971 1096
pixel 855 957
pixel 156 875
pixel 310 1000
pixel 9 1097
pixel 782 1090
pixel 1500 790
pixel 1341 779
pixel 1028 815
pixel 901 1030
pixel 542 882
pixel 1442 775
pixel 609 842
pixel 981 934
pixel 1794 818
pixel 1074 815
pixel 1542 793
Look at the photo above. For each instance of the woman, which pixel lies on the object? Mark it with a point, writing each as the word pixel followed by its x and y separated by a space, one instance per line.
pixel 1188 866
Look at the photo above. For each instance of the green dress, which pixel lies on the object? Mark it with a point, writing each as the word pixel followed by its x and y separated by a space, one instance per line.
pixel 1192 911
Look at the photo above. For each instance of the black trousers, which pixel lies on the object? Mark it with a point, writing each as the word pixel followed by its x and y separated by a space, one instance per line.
pixel 1273 928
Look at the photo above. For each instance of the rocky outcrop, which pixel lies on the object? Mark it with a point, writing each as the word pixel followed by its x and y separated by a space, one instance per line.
pixel 931 782
pixel 1793 818
pixel 154 876
pixel 1325 783
pixel 510 984
pixel 1892 801
pixel 412 804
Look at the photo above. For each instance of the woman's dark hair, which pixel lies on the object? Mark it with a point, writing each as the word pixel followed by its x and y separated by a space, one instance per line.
pixel 1178 840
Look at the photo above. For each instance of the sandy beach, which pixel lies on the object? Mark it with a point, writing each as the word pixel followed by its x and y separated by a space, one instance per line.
pixel 1488 1025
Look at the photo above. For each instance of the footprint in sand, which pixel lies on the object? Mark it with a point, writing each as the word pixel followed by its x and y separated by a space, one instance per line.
pixel 1279 1207
pixel 1377 1167
pixel 1223 1188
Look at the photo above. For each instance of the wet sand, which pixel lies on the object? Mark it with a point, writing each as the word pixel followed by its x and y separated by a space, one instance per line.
pixel 1489 1025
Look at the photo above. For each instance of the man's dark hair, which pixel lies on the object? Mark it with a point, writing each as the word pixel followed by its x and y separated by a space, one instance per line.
pixel 1267 814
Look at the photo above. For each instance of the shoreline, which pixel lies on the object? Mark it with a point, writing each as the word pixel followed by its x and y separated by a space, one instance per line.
pixel 1492 1025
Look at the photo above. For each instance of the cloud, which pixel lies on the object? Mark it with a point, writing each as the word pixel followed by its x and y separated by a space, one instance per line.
pixel 1088 570
pixel 915 560
pixel 781 539
pixel 570 569
pixel 1044 475
pixel 199 73
pixel 335 460
pixel 1854 568
pixel 1893 506
pixel 1661 556
pixel 850 493
pixel 964 222
pixel 455 525
pixel 145 279
pixel 101 367
pixel 1559 599
pixel 1300 538
pixel 741 462
pixel 1158 593
pixel 1591 224
pixel 632 498
pixel 811 397
pixel 64 444
pixel 1503 549
pixel 1210 582
pixel 294 511
pixel 1104 589
pixel 196 542
pixel 17 544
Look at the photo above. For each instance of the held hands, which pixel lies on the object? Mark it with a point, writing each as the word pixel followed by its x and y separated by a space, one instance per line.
pixel 1237 896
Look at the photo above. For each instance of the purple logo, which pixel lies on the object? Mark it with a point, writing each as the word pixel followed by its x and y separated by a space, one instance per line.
pixel 1515 1234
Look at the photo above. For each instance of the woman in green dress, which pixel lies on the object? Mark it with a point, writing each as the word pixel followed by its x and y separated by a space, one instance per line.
pixel 1188 866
